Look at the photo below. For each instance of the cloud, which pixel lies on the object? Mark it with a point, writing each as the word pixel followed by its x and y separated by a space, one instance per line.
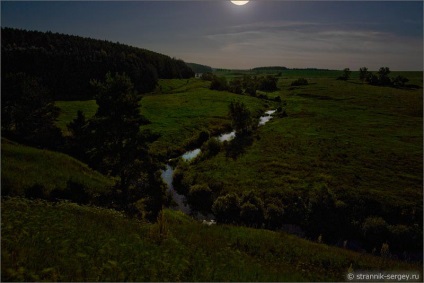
pixel 326 44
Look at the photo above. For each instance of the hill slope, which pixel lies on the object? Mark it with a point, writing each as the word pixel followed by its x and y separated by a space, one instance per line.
pixel 67 242
pixel 66 63
pixel 24 167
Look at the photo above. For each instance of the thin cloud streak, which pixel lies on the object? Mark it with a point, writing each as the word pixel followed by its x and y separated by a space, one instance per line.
pixel 336 44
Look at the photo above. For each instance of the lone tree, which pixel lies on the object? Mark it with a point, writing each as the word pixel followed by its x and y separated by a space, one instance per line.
pixel 363 73
pixel 241 118
pixel 383 76
pixel 115 126
pixel 118 148
pixel 227 208
pixel 346 74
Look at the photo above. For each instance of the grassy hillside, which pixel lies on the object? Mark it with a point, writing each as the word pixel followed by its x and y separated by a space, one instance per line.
pixel 23 167
pixel 190 108
pixel 363 143
pixel 375 132
pixel 69 110
pixel 179 110
pixel 67 242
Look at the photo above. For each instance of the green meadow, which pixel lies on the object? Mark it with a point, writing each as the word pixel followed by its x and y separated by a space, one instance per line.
pixel 359 141
pixel 179 110
pixel 180 116
pixel 353 137
pixel 24 167
pixel 348 135
pixel 42 241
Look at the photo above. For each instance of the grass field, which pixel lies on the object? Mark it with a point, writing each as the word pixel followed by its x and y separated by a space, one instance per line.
pixel 67 242
pixel 374 132
pixel 364 143
pixel 23 167
pixel 179 110
pixel 69 109
pixel 180 116
pixel 357 140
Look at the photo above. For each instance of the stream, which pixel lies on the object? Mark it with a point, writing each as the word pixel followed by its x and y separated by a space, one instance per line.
pixel 167 174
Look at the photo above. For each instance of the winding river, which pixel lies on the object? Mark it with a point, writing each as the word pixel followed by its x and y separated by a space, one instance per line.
pixel 167 174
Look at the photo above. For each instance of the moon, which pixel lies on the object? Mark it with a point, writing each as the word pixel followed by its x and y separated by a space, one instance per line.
pixel 239 3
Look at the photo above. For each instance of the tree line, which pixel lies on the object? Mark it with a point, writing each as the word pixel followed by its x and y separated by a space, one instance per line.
pixel 110 142
pixel 381 78
pixel 247 84
pixel 39 68
pixel 65 64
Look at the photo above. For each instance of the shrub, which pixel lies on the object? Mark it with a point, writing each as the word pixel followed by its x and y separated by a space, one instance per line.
pixel 372 79
pixel 268 83
pixel 36 191
pixel 399 81
pixel 197 140
pixel 219 83
pixel 363 73
pixel 383 76
pixel 200 198
pixel 252 211
pixel 74 192
pixel 207 76
pixel 274 216
pixel 375 231
pixel 180 181
pixel 241 117
pixel 346 75
pixel 235 86
pixel 227 208
pixel 211 148
pixel 299 82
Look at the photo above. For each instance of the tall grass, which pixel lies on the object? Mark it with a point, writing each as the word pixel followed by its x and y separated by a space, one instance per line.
pixel 68 242
pixel 24 167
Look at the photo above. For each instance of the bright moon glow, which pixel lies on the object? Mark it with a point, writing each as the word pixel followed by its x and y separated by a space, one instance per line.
pixel 237 2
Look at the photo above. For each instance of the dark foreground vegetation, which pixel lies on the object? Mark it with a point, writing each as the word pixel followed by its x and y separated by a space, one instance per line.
pixel 339 164
pixel 42 241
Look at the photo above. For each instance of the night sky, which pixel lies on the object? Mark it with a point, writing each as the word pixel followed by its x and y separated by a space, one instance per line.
pixel 300 34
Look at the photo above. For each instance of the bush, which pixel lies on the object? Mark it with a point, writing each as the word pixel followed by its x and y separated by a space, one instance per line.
pixel 274 216
pixel 200 198
pixel 372 79
pixel 36 191
pixel 375 231
pixel 74 192
pixel 383 76
pixel 399 81
pixel 211 148
pixel 180 181
pixel 268 83
pixel 219 83
pixel 227 208
pixel 197 140
pixel 299 82
pixel 252 211
pixel 207 76
pixel 251 215
pixel 346 75
pixel 235 86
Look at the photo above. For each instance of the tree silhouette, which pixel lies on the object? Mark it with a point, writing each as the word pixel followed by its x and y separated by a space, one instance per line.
pixel 240 117
pixel 28 111
pixel 363 73
pixel 118 148
pixel 383 76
